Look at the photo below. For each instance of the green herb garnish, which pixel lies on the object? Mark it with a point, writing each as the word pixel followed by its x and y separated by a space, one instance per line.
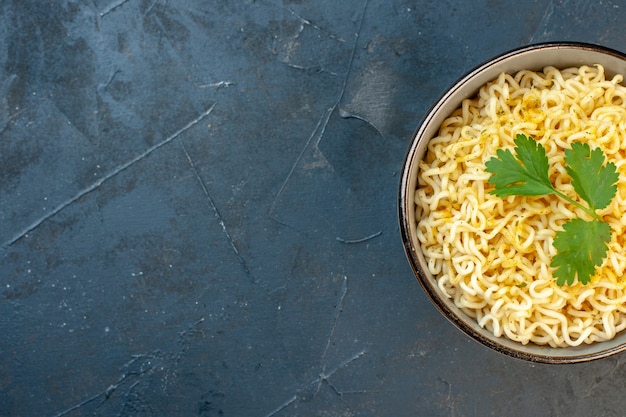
pixel 581 245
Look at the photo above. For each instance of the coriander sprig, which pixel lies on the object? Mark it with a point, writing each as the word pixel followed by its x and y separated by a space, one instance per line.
pixel 581 245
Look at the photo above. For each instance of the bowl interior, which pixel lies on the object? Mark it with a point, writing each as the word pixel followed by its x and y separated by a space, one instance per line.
pixel 534 57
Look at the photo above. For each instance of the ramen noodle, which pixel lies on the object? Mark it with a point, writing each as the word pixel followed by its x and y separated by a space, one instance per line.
pixel 492 255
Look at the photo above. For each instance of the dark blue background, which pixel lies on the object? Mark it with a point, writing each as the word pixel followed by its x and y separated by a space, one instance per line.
pixel 198 209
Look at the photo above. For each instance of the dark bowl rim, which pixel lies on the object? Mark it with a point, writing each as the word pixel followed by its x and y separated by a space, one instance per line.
pixel 404 222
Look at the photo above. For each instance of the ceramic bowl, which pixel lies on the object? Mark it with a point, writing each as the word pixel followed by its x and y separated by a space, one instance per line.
pixel 533 57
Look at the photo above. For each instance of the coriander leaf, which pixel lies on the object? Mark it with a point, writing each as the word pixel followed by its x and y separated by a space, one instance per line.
pixel 594 182
pixel 581 246
pixel 525 175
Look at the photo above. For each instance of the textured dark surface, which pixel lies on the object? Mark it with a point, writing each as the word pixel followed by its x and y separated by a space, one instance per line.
pixel 198 209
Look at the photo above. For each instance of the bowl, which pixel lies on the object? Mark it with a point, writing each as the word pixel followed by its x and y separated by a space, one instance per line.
pixel 533 57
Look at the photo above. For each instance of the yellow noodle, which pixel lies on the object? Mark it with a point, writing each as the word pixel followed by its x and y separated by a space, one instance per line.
pixel 492 255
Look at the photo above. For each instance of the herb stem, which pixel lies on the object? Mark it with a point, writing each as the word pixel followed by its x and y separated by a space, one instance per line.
pixel 587 210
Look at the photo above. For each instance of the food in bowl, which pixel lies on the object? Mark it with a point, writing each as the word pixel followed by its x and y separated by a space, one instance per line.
pixel 492 254
pixel 512 286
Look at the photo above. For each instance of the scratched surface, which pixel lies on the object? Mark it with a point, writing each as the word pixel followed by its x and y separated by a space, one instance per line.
pixel 198 209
